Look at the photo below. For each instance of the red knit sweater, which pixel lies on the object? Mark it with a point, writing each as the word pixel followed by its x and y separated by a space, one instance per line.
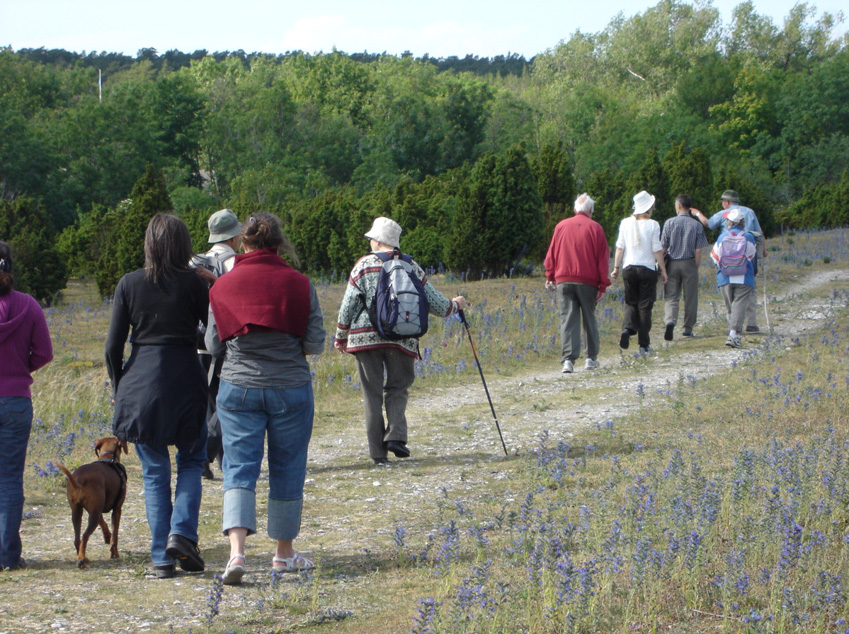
pixel 262 292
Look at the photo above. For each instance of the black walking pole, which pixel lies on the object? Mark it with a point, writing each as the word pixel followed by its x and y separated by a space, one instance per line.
pixel 480 369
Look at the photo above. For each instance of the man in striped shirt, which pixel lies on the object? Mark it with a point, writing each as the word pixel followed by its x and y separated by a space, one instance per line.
pixel 682 240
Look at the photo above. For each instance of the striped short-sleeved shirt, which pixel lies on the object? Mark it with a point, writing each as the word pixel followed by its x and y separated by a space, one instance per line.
pixel 681 236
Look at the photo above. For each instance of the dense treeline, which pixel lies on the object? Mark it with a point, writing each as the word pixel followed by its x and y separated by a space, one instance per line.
pixel 477 159
pixel 108 63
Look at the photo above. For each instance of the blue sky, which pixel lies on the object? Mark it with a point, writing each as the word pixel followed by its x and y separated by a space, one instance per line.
pixel 439 28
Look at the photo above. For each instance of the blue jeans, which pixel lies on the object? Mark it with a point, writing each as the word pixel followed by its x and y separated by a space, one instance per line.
pixel 15 426
pixel 246 415
pixel 163 517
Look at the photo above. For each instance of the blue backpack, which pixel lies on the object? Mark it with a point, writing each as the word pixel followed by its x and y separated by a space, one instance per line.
pixel 399 309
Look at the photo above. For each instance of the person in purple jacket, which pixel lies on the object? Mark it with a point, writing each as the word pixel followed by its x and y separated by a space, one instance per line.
pixel 24 347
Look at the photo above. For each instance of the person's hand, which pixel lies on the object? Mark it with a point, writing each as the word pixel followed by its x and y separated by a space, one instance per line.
pixel 208 276
pixel 461 302
pixel 549 285
pixel 340 344
pixel 600 294
pixel 695 213
pixel 664 277
pixel 615 272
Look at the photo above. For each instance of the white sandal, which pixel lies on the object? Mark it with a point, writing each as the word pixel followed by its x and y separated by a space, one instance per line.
pixel 292 564
pixel 233 573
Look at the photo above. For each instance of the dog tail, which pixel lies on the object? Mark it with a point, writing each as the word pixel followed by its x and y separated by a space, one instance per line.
pixel 70 475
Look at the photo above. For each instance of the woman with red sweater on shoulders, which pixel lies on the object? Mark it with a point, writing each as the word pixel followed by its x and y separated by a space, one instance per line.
pixel 264 319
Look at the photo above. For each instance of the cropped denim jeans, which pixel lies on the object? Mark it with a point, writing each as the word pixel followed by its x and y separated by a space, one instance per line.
pixel 163 517
pixel 15 426
pixel 247 415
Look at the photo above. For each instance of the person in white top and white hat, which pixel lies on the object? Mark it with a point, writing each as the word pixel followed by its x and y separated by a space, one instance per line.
pixel 639 257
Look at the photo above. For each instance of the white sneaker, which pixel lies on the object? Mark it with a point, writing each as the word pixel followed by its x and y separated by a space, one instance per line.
pixel 568 367
pixel 734 342
pixel 591 364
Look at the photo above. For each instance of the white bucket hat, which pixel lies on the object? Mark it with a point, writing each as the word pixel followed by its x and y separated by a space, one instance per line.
pixel 734 215
pixel 643 202
pixel 386 231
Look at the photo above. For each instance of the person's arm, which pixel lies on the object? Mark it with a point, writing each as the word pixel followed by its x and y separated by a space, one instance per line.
pixel 315 335
pixel 617 262
pixel 717 220
pixel 201 303
pixel 350 302
pixel 119 329
pixel 698 215
pixel 550 262
pixel 214 345
pixel 698 256
pixel 603 263
pixel 661 265
pixel 440 305
pixel 752 252
pixel 41 348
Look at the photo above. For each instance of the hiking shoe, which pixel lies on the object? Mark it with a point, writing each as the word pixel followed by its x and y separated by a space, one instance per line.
pixel 668 334
pixel 21 565
pixel 207 472
pixel 646 351
pixel 398 448
pixel 165 571
pixel 687 334
pixel 624 339
pixel 591 364
pixel 186 552
pixel 752 329
pixel 734 342
pixel 381 462
pixel 568 367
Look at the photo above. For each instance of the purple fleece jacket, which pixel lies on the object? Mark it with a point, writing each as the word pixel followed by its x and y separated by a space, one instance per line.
pixel 24 343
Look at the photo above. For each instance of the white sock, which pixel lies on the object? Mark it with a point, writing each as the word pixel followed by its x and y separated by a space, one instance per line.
pixel 732 334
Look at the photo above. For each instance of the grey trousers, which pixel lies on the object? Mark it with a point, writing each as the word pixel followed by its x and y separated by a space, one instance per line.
pixel 393 393
pixel 736 298
pixel 752 308
pixel 683 278
pixel 576 302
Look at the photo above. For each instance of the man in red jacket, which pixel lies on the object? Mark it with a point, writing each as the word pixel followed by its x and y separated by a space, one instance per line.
pixel 576 267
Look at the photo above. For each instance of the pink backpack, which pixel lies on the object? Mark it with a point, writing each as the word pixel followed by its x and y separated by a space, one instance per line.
pixel 732 254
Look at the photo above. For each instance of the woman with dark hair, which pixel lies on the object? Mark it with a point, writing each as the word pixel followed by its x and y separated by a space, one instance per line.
pixel 264 319
pixel 160 392
pixel 24 348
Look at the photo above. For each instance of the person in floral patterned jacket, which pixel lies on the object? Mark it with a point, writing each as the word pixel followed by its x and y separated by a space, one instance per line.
pixel 376 355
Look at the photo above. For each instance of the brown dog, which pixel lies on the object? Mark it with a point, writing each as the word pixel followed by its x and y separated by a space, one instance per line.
pixel 98 487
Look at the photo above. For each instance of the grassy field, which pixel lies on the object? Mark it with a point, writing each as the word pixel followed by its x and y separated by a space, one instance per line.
pixel 712 501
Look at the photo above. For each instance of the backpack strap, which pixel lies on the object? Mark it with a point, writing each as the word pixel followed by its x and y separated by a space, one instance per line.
pixel 219 262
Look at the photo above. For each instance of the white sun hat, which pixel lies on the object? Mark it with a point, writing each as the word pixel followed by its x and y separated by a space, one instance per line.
pixel 643 202
pixel 386 231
